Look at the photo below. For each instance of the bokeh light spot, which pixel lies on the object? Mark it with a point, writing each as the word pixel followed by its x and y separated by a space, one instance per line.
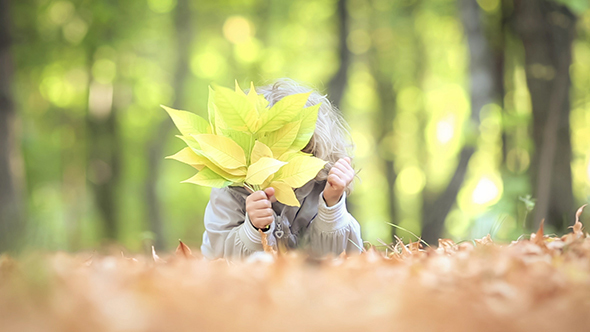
pixel 488 5
pixel 358 41
pixel 485 191
pixel 249 51
pixel 75 30
pixel 104 71
pixel 61 11
pixel 161 6
pixel 444 131
pixel 411 180
pixel 237 29
pixel 207 65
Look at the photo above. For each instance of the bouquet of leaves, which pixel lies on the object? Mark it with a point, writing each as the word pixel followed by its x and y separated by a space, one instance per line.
pixel 246 143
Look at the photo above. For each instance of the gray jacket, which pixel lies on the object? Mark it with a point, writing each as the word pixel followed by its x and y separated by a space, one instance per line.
pixel 314 226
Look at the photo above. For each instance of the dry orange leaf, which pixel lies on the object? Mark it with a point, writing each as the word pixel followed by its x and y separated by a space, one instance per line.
pixel 264 238
pixel 183 250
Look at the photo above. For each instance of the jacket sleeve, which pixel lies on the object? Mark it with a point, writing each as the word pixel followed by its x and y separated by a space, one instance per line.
pixel 228 231
pixel 334 230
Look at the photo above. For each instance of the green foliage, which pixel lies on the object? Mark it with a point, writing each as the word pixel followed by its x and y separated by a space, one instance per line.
pixel 576 6
pixel 89 76
pixel 252 144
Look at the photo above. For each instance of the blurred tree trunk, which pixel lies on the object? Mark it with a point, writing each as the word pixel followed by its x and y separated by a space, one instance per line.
pixel 184 36
pixel 499 65
pixel 547 31
pixel 338 82
pixel 483 91
pixel 104 166
pixel 381 54
pixel 11 221
pixel 386 115
pixel 103 137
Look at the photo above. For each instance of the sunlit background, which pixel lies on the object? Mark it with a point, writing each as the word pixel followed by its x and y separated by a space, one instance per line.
pixel 90 138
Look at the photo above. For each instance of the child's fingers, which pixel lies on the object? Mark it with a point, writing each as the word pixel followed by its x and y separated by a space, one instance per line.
pixel 344 164
pixel 261 204
pixel 262 222
pixel 264 213
pixel 338 172
pixel 345 175
pixel 257 196
pixel 269 191
pixel 270 194
pixel 336 182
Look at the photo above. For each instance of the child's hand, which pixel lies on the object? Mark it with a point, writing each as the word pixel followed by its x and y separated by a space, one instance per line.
pixel 339 178
pixel 259 208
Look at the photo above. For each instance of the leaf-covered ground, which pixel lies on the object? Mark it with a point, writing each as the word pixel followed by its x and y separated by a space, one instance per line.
pixel 538 283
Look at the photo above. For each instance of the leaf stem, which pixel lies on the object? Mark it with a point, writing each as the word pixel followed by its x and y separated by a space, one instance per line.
pixel 249 187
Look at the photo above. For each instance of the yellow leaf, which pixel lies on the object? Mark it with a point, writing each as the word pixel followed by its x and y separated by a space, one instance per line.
pixel 211 109
pixel 188 123
pixel 279 141
pixel 219 124
pixel 260 150
pixel 267 182
pixel 257 100
pixel 289 155
pixel 243 138
pixel 237 87
pixel 234 175
pixel 191 142
pixel 284 193
pixel 235 109
pixel 308 118
pixel 300 170
pixel 284 111
pixel 208 178
pixel 262 169
pixel 223 151
pixel 188 156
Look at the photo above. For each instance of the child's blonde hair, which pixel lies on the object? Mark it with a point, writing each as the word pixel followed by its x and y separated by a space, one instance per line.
pixel 331 139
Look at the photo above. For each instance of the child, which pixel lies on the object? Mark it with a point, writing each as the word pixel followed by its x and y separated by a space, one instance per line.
pixel 234 215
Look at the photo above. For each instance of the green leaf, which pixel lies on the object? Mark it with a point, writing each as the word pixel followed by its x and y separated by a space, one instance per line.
pixel 260 150
pixel 211 109
pixel 223 151
pixel 188 123
pixel 300 170
pixel 284 193
pixel 279 141
pixel 208 178
pixel 235 109
pixel 262 169
pixel 284 111
pixel 308 118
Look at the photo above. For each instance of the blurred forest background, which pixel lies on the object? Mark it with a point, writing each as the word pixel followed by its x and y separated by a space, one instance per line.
pixel 469 117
